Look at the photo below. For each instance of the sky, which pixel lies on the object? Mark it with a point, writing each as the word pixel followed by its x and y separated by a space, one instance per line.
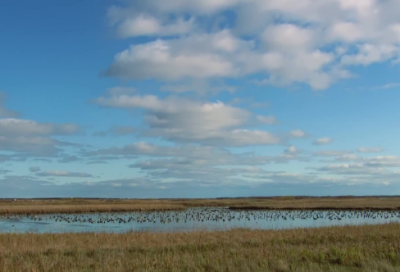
pixel 199 98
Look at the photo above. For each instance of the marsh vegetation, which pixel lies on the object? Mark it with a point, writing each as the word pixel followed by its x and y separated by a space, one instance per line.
pixel 350 248
pixel 335 248
pixel 68 205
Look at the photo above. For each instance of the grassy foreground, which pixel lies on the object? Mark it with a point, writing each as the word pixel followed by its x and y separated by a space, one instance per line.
pixel 352 248
pixel 42 206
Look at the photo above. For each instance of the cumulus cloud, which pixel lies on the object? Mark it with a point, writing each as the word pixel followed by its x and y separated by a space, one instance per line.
pixel 15 127
pixel 287 42
pixel 193 163
pixel 205 155
pixel 271 183
pixel 322 141
pixel 147 25
pixel 367 169
pixel 382 161
pixel 21 135
pixel 218 55
pixel 200 56
pixel 35 145
pixel 182 120
pixel 30 137
pixel 288 178
pixel 367 162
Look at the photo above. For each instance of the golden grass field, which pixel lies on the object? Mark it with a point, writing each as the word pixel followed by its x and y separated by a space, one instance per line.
pixel 123 205
pixel 352 248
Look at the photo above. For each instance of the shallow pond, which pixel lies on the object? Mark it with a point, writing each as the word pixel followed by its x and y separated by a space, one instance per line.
pixel 191 219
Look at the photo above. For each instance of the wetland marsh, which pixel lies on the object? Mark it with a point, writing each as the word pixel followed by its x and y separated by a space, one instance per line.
pixel 254 234
pixel 192 219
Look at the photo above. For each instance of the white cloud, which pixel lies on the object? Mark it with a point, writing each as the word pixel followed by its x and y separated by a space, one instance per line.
pixel 28 136
pixel 347 32
pixel 195 164
pixel 167 60
pixel 322 141
pixel 20 135
pixel 194 154
pixel 213 168
pixel 42 146
pixel 220 55
pixel 295 50
pixel 371 53
pixel 183 120
pixel 147 25
pixel 349 169
pixel 288 37
pixel 16 127
pixel 373 169
pixel 348 157
pixel 383 161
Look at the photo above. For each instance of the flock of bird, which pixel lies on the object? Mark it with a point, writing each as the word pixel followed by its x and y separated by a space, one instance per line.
pixel 211 215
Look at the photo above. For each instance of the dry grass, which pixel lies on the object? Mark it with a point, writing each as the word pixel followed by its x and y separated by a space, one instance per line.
pixel 334 203
pixel 122 205
pixel 85 208
pixel 356 248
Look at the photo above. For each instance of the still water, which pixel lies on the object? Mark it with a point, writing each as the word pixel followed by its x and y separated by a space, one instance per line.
pixel 190 220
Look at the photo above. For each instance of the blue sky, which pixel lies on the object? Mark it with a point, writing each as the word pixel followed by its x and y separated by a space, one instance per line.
pixel 190 98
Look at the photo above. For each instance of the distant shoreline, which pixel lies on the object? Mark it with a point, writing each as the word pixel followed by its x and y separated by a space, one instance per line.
pixel 92 205
pixel 191 198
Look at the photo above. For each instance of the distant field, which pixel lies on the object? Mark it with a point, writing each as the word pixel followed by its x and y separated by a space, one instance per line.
pixel 361 248
pixel 41 206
